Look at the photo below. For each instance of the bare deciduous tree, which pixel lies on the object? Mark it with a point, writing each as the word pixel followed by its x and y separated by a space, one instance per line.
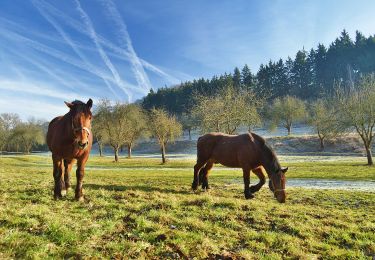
pixel 136 126
pixel 164 128
pixel 27 135
pixel 287 111
pixel 356 109
pixel 227 111
pixel 7 123
pixel 99 128
pixel 322 118
pixel 114 124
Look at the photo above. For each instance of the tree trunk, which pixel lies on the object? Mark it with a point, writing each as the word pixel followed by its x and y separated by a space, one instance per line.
pixel 163 153
pixel 321 144
pixel 289 128
pixel 129 151
pixel 28 148
pixel 321 138
pixel 189 131
pixel 116 154
pixel 369 156
pixel 100 146
pixel 367 144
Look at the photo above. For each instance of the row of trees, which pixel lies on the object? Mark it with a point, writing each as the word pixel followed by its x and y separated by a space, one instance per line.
pixel 121 125
pixel 18 136
pixel 310 75
pixel 350 108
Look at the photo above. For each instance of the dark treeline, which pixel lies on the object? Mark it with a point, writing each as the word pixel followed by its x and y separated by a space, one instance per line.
pixel 310 75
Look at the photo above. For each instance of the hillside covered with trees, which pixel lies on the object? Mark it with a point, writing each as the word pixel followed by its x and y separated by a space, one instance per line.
pixel 309 76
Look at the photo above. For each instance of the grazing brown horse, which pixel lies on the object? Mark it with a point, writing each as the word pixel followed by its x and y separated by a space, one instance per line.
pixel 247 151
pixel 69 138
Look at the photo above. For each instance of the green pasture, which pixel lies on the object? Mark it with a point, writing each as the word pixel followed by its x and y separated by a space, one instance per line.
pixel 139 208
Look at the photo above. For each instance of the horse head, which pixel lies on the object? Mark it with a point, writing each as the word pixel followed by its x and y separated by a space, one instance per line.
pixel 277 184
pixel 80 122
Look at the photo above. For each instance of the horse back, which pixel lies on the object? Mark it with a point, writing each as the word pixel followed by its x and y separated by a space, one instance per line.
pixel 230 150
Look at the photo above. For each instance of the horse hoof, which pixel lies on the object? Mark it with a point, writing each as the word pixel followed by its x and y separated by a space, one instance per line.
pixel 253 189
pixel 63 193
pixel 194 186
pixel 249 196
pixel 205 187
pixel 80 199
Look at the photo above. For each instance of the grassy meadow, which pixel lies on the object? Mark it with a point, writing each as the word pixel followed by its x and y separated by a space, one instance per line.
pixel 139 208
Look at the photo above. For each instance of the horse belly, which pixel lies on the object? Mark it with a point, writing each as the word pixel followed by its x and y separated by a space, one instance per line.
pixel 226 156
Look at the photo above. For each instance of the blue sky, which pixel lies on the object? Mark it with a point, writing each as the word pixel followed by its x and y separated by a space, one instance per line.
pixel 51 51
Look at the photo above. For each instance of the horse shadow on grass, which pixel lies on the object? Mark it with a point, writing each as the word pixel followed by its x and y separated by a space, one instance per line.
pixel 145 188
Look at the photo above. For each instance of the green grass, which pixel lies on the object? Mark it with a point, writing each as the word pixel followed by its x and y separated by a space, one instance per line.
pixel 139 208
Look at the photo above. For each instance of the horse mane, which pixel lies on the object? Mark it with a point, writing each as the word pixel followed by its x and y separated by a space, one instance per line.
pixel 78 102
pixel 258 138
pixel 268 152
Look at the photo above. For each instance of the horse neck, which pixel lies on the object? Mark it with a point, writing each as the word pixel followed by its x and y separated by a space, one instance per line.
pixel 270 161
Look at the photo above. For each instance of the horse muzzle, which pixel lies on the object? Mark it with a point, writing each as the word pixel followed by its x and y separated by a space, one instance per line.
pixel 82 146
pixel 280 195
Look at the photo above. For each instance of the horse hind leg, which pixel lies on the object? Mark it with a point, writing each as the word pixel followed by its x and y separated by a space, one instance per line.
pixel 262 180
pixel 203 175
pixel 197 168
pixel 246 180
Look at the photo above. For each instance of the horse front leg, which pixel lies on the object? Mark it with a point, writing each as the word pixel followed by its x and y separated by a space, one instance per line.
pixel 246 180
pixel 262 179
pixel 68 164
pixel 80 174
pixel 57 176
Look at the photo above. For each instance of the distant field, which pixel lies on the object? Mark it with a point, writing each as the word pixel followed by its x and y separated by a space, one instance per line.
pixel 140 208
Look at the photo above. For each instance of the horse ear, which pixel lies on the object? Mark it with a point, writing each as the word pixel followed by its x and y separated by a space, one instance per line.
pixel 284 170
pixel 89 103
pixel 70 105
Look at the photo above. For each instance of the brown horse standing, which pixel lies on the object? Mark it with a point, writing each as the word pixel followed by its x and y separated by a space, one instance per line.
pixel 69 138
pixel 247 151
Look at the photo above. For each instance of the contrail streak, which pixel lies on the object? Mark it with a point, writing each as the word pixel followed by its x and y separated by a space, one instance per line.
pixel 126 43
pixel 103 55
pixel 59 55
pixel 77 26
pixel 27 87
pixel 69 41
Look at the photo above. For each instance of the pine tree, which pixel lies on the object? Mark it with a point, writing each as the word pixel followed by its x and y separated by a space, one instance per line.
pixel 237 78
pixel 320 73
pixel 246 78
pixel 300 77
